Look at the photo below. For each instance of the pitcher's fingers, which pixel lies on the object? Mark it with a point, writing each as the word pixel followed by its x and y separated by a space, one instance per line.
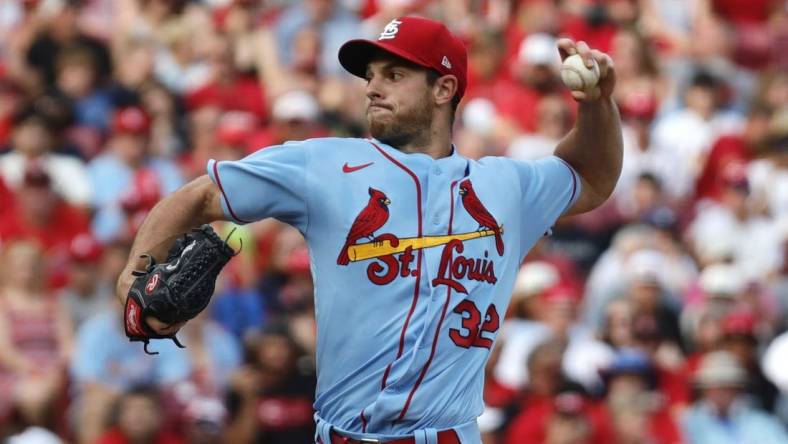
pixel 601 61
pixel 579 96
pixel 566 47
pixel 585 52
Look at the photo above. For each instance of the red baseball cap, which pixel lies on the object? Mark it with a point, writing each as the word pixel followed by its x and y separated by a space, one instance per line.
pixel 131 120
pixel 85 248
pixel 422 41
pixel 739 323
pixel 235 127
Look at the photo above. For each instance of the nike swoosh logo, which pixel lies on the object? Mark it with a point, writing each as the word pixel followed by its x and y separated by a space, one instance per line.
pixel 349 169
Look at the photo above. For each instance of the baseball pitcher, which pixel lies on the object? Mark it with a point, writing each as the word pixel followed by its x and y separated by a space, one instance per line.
pixel 414 248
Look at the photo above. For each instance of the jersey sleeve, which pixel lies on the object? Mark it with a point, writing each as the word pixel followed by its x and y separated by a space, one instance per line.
pixel 549 188
pixel 267 183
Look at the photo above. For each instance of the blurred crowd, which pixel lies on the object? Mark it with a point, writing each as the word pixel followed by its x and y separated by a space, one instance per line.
pixel 657 318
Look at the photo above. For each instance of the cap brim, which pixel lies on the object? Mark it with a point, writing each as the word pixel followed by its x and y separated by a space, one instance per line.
pixel 355 55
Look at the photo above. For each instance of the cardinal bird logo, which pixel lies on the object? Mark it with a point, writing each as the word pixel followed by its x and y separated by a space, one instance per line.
pixel 476 209
pixel 369 220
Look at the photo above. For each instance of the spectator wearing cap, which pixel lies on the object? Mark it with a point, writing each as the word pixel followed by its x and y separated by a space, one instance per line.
pixel 128 180
pixel 33 141
pixel 36 338
pixel 722 415
pixel 650 296
pixel 271 395
pixel 481 133
pixel 41 214
pixel 555 316
pixel 637 410
pixel 720 285
pixel 641 156
pixel 88 291
pixel 754 237
pixel 569 423
pixel 604 281
pixel 206 420
pixel 641 274
pixel 666 359
pixel 295 116
pixel 718 291
pixel 740 340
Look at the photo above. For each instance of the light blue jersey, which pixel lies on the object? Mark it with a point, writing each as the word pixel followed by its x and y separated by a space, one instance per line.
pixel 413 260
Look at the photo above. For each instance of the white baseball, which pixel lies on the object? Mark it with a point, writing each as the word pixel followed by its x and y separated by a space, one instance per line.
pixel 577 76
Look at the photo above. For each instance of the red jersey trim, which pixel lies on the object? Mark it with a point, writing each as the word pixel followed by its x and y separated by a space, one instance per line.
pixel 440 323
pixel 418 266
pixel 363 422
pixel 224 195
pixel 574 183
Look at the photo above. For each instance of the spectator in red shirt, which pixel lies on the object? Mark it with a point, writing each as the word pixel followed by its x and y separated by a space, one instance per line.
pixel 41 214
pixel 638 411
pixel 536 72
pixel 553 410
pixel 536 406
pixel 228 88
pixel 138 421
pixel 733 150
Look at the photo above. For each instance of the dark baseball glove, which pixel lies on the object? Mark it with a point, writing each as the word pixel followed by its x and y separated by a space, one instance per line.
pixel 178 289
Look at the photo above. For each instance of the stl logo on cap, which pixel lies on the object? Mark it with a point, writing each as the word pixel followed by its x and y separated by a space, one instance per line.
pixel 390 31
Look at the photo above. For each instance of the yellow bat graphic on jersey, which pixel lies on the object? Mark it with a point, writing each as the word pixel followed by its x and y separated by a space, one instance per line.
pixel 371 250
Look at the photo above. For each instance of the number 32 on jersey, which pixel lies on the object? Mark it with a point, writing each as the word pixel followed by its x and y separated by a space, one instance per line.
pixel 474 327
